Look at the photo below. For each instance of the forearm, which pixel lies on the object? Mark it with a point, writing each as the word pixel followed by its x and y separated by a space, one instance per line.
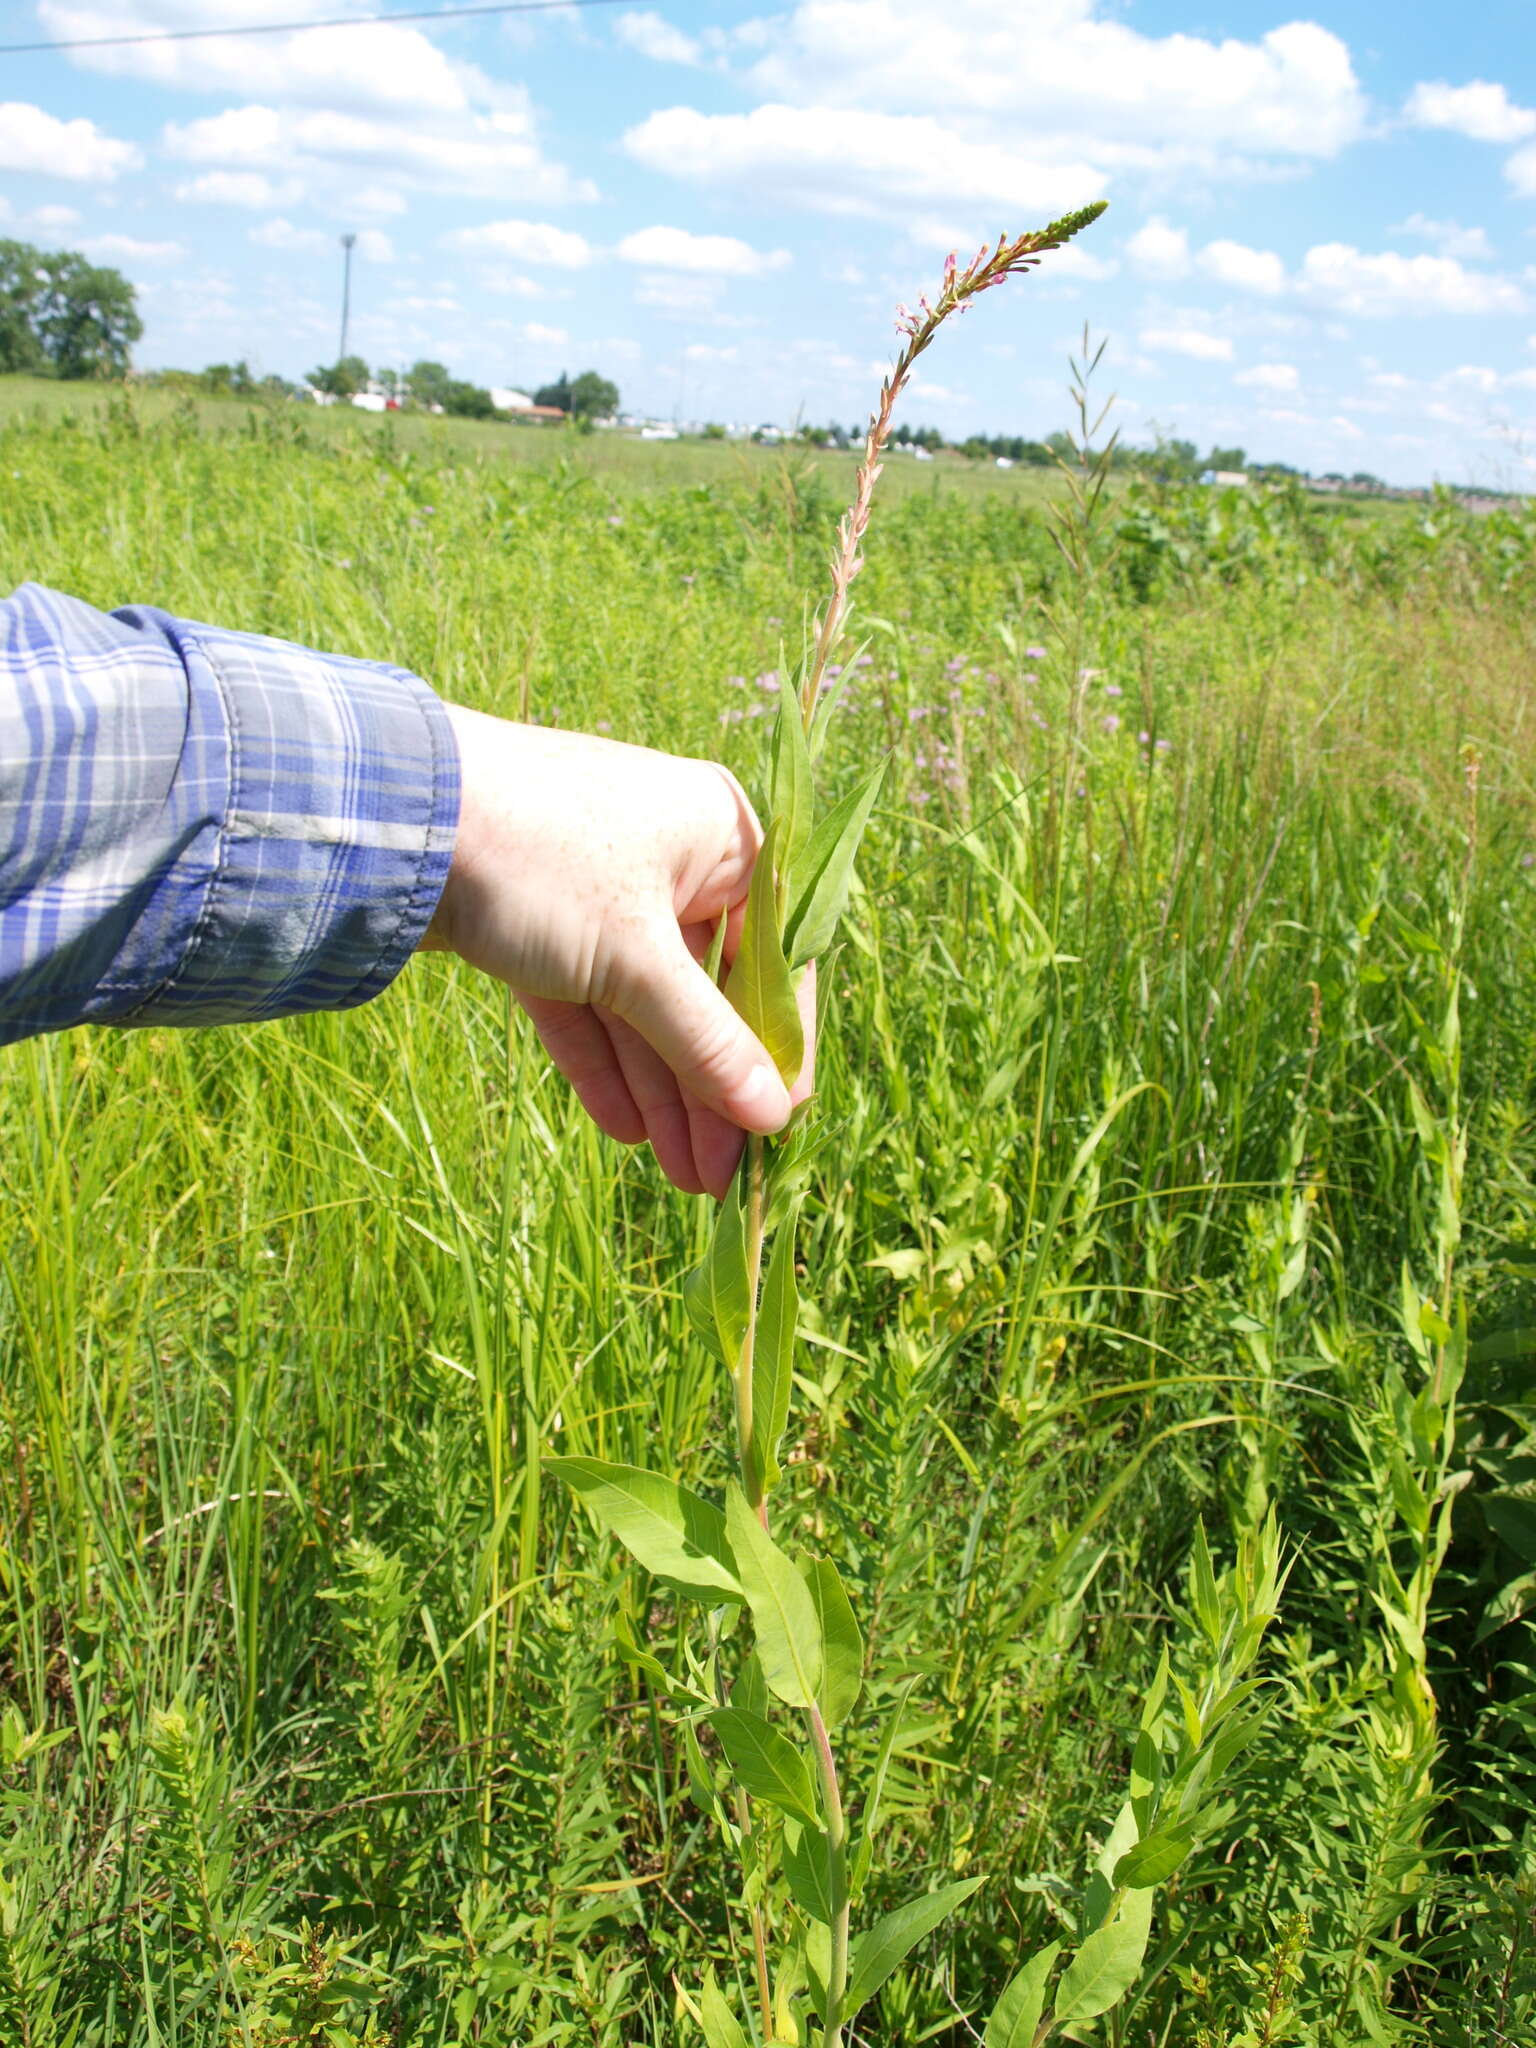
pixel 201 827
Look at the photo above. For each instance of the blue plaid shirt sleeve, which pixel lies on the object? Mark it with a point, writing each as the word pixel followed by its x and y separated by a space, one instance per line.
pixel 206 827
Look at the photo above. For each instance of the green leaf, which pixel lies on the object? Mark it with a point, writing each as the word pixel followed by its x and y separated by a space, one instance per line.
pixel 791 792
pixel 760 984
pixel 1146 1778
pixel 880 1948
pixel 722 2029
pixel 783 1612
pixel 717 1293
pixel 808 1870
pixel 1155 1859
pixel 701 1781
pixel 1202 1587
pixel 842 1645
pixel 828 869
pixel 674 1533
pixel 1016 2016
pixel 768 1766
pixel 642 1660
pixel 773 1356
pixel 1106 1965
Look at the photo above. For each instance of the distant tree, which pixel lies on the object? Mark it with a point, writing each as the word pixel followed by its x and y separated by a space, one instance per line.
pixel 235 378
pixel 426 382
pixel 61 313
pixel 21 346
pixel 342 379
pixel 557 394
pixel 467 401
pixel 594 397
pixel 713 431
pixel 1226 458
pixel 87 316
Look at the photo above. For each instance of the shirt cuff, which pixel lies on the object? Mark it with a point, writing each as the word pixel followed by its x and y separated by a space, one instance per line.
pixel 337 783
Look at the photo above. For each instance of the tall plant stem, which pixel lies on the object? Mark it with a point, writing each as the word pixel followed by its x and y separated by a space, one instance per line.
pixel 751 1479
pixel 837 1845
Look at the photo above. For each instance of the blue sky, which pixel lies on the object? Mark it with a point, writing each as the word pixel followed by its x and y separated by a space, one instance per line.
pixel 1321 241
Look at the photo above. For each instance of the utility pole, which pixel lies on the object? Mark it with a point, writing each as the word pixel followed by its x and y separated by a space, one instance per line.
pixel 346 292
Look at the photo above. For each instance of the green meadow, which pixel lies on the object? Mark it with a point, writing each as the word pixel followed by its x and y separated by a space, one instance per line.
pixel 1180 1069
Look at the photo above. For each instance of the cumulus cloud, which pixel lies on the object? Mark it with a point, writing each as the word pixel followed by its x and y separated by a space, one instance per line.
pixel 1270 377
pixel 853 163
pixel 1481 110
pixel 1250 270
pixel 1448 237
pixel 525 241
pixel 663 248
pixel 1077 80
pixel 1158 250
pixel 279 233
pixel 378 67
pixel 237 188
pixel 1345 280
pixel 653 37
pixel 1187 341
pixel 31 140
pixel 118 249
pixel 704 352
pixel 553 337
pixel 487 153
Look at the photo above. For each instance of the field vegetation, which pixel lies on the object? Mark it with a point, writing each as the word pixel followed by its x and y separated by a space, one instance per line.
pixel 1182 1176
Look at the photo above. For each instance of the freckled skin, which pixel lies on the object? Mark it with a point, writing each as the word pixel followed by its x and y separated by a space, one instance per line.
pixel 590 877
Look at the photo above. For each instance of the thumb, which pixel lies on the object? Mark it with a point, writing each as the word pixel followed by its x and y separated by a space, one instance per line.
pixel 681 1015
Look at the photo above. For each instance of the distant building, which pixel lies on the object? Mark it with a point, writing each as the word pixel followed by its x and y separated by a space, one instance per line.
pixel 658 431
pixel 1225 479
pixel 370 401
pixel 507 400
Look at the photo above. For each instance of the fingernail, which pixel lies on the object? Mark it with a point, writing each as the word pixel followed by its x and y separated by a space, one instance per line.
pixel 764 1100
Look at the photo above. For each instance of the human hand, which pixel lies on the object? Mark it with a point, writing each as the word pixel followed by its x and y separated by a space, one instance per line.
pixel 590 877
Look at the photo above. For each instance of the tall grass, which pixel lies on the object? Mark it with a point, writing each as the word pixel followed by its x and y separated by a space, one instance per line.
pixel 1150 1079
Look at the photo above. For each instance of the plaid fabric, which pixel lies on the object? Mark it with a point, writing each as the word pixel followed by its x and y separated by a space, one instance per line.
pixel 204 827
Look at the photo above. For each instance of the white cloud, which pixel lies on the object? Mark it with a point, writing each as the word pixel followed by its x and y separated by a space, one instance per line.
pixel 282 234
pixel 1347 428
pixel 382 66
pixel 1074 261
pixel 1270 377
pixel 1250 270
pixel 525 241
pixel 554 337
pixel 491 153
pixel 663 248
pixel 31 140
pixel 1388 285
pixel 1158 250
pixel 1071 79
pixel 237 188
pixel 854 163
pixel 703 352
pixel 377 199
pixel 657 39
pixel 1448 237
pixel 118 249
pixel 1482 111
pixel 40 220
pixel 1187 341
pixel 375 247
pixel 688 295
pixel 1520 170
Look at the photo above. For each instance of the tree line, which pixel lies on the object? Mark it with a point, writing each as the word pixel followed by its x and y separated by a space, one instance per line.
pixel 587 397
pixel 62 315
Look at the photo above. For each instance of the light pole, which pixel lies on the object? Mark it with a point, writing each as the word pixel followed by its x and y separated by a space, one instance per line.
pixel 346 293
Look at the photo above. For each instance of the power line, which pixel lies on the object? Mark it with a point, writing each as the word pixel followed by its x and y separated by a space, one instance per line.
pixel 276 28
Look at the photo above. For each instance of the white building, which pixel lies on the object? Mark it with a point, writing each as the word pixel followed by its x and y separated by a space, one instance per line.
pixel 507 400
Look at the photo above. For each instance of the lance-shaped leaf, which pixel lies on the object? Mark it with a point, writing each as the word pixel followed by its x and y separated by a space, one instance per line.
pixel 718 2024
pixel 842 1644
pixel 760 984
pixel 791 792
pixel 769 1767
pixel 674 1533
pixel 880 1948
pixel 1016 2016
pixel 783 1612
pixel 773 1357
pixel 808 1869
pixel 642 1660
pixel 1106 1965
pixel 716 1293
pixel 1154 1860
pixel 827 866
pixel 701 1783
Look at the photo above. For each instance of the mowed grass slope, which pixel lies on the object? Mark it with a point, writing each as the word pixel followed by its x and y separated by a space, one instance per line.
pixel 1194 933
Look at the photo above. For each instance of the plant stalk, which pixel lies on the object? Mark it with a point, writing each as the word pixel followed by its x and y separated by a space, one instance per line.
pixel 837 1843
